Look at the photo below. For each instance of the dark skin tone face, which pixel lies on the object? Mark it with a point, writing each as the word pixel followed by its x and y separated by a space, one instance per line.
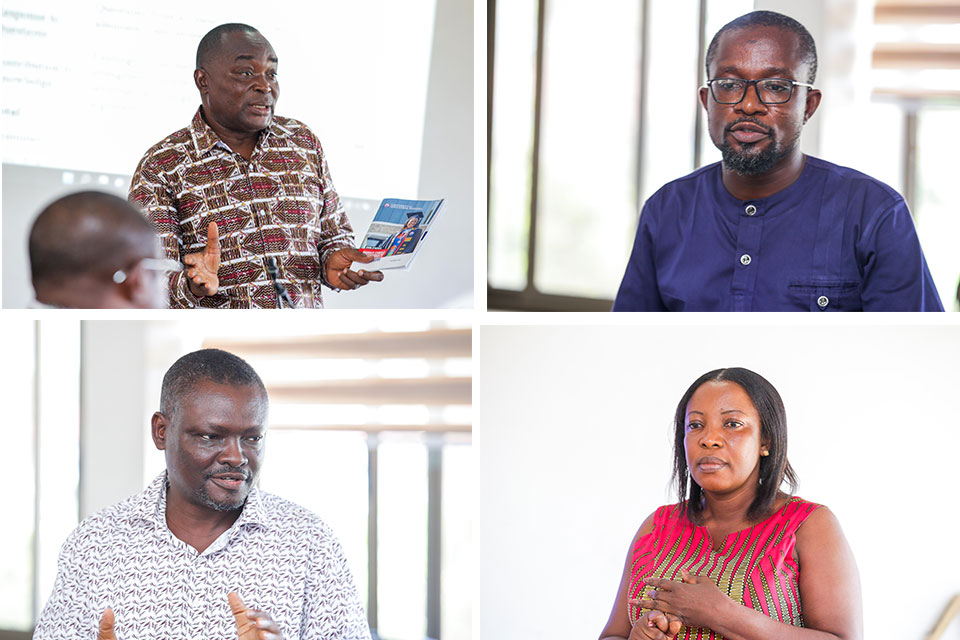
pixel 239 89
pixel 757 53
pixel 723 442
pixel 213 444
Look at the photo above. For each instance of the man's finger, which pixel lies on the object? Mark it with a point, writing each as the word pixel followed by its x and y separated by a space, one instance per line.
pixel 239 609
pixel 374 276
pixel 353 278
pixel 106 626
pixel 213 239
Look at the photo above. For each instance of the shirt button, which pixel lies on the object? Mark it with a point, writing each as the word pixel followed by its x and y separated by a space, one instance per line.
pixel 750 210
pixel 745 259
pixel 823 301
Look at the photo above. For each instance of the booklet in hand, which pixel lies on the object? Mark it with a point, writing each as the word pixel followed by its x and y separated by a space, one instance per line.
pixel 397 232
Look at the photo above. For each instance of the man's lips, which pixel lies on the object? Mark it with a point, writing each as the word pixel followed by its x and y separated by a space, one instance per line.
pixel 748 132
pixel 262 109
pixel 230 481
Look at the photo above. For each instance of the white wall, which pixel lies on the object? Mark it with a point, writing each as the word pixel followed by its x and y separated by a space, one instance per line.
pixel 442 276
pixel 573 445
pixel 113 397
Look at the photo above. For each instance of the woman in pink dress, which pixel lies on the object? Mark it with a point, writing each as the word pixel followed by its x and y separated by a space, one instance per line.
pixel 737 558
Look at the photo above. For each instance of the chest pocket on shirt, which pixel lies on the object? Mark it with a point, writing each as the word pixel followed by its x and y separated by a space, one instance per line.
pixel 826 294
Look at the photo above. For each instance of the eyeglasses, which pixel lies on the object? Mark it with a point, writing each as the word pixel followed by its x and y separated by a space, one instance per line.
pixel 150 264
pixel 770 90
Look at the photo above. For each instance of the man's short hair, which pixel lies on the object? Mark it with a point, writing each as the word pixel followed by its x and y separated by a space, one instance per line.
pixel 85 232
pixel 210 43
pixel 214 365
pixel 808 48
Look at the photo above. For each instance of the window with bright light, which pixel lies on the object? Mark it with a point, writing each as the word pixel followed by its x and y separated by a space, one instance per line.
pixel 594 108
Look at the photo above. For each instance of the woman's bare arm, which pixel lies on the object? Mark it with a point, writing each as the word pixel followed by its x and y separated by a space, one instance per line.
pixel 618 625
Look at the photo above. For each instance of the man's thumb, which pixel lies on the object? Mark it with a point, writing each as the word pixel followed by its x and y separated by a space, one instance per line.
pixel 106 626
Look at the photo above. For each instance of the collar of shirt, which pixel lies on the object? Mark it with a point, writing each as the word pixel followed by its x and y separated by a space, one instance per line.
pixel 205 138
pixel 733 208
pixel 151 505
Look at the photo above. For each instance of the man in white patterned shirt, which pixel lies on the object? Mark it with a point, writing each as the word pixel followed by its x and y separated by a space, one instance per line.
pixel 178 561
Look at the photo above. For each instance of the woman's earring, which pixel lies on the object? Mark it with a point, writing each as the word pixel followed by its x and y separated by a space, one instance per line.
pixel 764 453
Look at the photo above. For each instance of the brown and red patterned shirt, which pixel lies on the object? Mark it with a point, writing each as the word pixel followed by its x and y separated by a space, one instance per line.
pixel 281 204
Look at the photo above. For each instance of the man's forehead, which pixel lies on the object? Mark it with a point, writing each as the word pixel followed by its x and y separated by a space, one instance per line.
pixel 240 45
pixel 769 50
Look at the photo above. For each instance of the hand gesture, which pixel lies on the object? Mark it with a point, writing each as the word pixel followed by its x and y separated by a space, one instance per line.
pixel 251 623
pixel 105 631
pixel 656 625
pixel 202 266
pixel 340 275
pixel 696 601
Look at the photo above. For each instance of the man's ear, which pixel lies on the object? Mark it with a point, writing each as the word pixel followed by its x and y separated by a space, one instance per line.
pixel 813 101
pixel 158 429
pixel 704 94
pixel 200 79
pixel 133 287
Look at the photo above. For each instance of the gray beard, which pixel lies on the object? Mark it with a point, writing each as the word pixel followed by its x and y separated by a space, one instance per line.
pixel 219 506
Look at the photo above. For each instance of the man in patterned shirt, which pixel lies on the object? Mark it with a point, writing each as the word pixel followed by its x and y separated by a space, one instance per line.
pixel 178 561
pixel 241 192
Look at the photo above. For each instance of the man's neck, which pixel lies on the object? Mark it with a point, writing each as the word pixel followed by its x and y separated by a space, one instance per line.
pixel 784 174
pixel 242 142
pixel 197 525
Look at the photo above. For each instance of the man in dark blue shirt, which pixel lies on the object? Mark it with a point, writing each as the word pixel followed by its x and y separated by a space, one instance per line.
pixel 768 228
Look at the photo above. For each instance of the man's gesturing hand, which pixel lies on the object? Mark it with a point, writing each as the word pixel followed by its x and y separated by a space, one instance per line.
pixel 202 266
pixel 340 275
pixel 252 624
pixel 105 632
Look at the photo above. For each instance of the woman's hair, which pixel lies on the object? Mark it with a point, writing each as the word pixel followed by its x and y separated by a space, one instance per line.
pixel 774 469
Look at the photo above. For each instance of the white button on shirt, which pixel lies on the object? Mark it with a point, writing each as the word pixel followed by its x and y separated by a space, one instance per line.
pixel 278 556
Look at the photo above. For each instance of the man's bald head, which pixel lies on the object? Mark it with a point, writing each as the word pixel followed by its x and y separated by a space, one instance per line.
pixel 210 44
pixel 88 233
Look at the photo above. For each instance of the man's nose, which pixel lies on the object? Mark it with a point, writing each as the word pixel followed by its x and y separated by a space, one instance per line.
pixel 751 102
pixel 262 84
pixel 232 454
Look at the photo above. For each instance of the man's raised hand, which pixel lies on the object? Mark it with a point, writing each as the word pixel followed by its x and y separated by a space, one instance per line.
pixel 251 623
pixel 202 266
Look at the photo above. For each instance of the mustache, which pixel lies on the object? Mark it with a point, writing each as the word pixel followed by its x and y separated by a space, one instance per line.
pixel 729 127
pixel 228 469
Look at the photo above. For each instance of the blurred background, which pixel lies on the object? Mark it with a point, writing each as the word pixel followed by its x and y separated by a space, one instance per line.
pixel 90 85
pixel 592 107
pixel 370 428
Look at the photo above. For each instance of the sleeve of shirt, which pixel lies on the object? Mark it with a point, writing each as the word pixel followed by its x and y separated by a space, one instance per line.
pixel 150 191
pixel 69 613
pixel 638 289
pixel 333 610
pixel 895 273
pixel 335 230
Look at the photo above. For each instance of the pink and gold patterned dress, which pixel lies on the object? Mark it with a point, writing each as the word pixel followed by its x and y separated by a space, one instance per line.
pixel 755 566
